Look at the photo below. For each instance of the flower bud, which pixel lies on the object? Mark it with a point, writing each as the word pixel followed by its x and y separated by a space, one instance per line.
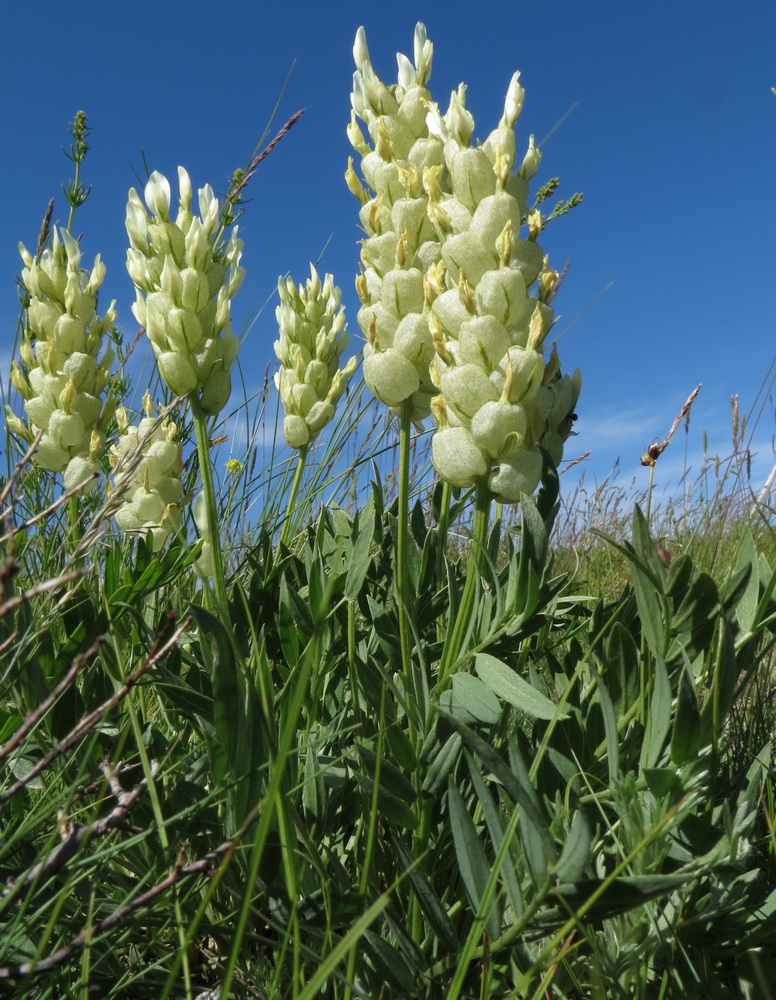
pixel 456 457
pixel 312 338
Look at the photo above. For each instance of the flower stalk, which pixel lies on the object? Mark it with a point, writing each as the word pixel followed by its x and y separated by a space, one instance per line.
pixel 312 337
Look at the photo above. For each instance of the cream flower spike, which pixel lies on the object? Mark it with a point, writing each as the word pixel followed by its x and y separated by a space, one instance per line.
pixel 64 378
pixel 185 279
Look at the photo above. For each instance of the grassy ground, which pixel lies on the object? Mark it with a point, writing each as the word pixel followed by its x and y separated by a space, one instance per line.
pixel 581 807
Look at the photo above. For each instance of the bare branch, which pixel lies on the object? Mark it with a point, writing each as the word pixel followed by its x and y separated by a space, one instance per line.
pixel 78 835
pixel 203 866
pixel 161 645
pixel 38 713
pixel 17 469
pixel 41 588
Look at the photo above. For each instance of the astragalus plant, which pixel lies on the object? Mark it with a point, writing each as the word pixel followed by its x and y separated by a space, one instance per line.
pixel 338 755
pixel 65 363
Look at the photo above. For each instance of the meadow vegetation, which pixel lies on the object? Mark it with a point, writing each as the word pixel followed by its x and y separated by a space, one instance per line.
pixel 323 719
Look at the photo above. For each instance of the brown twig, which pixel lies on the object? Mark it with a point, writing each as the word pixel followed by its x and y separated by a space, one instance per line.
pixel 558 281
pixel 161 645
pixel 576 461
pixel 45 228
pixel 36 714
pixel 41 588
pixel 17 470
pixel 48 510
pixel 116 819
pixel 234 195
pixel 203 865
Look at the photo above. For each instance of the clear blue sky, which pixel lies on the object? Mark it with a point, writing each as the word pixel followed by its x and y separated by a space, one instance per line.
pixel 672 140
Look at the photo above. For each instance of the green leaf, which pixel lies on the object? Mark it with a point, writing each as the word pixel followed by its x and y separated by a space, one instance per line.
pixel 496 831
pixel 182 695
pixel 288 622
pixel 679 575
pixel 575 856
pixel 429 902
pixel 610 728
pixel 514 779
pixel 394 810
pixel 646 549
pixel 442 764
pixel 508 685
pixel 663 782
pixel 360 553
pixel 227 699
pixel 314 787
pixel 746 609
pixel 388 963
pixel 686 735
pixel 538 846
pixel 696 616
pixel 472 861
pixel 621 668
pixel 619 895
pixel 647 584
pixel 658 717
pixel 391 778
pixel 470 699
pixel 531 559
pixel 386 629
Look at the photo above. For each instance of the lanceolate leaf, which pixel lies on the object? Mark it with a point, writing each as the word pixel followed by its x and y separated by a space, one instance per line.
pixel 658 718
pixel 472 862
pixel 470 700
pixel 429 902
pixel 360 552
pixel 496 831
pixel 575 856
pixel 508 685
pixel 686 736
pixel 518 787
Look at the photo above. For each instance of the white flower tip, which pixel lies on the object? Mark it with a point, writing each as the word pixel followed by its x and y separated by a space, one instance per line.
pixel 513 104
pixel 184 186
pixel 26 255
pixel 360 50
pixel 424 51
pixel 436 123
pixel 157 195
pixel 199 511
pixel 406 76
pixel 71 249
pixel 357 99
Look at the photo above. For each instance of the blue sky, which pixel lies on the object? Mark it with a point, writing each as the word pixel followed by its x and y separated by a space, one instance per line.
pixel 672 139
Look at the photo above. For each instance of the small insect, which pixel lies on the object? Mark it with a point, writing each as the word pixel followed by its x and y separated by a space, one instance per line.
pixel 656 449
pixel 566 424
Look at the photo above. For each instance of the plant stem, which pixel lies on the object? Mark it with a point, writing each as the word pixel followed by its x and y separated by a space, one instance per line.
pixel 456 635
pixel 300 464
pixel 208 488
pixel 648 511
pixel 402 562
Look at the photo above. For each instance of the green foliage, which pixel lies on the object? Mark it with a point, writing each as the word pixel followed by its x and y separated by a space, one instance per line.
pixel 575 804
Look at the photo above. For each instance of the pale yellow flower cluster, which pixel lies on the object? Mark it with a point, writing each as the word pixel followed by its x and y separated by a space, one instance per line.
pixel 63 374
pixel 312 337
pixel 147 466
pixel 455 287
pixel 185 283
